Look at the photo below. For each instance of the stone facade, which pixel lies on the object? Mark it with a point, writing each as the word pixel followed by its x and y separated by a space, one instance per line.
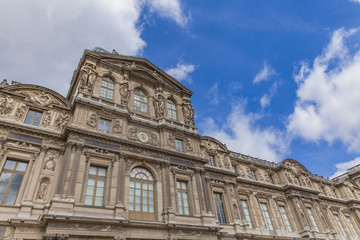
pixel 120 158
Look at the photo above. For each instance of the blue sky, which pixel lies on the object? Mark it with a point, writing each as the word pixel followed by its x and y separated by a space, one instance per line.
pixel 273 79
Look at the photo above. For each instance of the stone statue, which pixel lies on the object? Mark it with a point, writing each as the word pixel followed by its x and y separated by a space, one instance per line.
pixel 42 190
pixel 20 112
pixel 6 105
pixel 61 121
pixel 47 118
pixel 188 111
pixel 88 76
pixel 125 91
pixel 159 103
pixel 4 83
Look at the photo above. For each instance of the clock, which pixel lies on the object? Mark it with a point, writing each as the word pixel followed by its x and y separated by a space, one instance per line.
pixel 143 137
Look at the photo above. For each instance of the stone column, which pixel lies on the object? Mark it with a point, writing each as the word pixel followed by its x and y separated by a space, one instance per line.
pixel 35 175
pixel 75 169
pixel 108 181
pixel 63 170
pixel 206 192
pixel 121 182
pixel 164 187
pixel 199 190
pixel 168 189
pixel 297 212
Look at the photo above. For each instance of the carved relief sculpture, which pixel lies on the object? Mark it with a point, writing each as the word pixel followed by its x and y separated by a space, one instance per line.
pixel 46 118
pixel 92 120
pixel 20 112
pixel 42 189
pixel 40 98
pixel 117 128
pixel 6 105
pixel 88 76
pixel 61 121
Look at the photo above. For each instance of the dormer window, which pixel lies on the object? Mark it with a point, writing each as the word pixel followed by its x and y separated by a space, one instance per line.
pixel 140 100
pixel 212 160
pixel 172 114
pixel 33 118
pixel 253 174
pixel 107 88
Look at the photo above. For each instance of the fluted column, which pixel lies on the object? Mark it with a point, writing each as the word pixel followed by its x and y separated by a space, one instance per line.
pixel 35 174
pixel 199 190
pixel 121 181
pixel 164 188
pixel 75 169
pixel 63 170
pixel 168 189
pixel 206 192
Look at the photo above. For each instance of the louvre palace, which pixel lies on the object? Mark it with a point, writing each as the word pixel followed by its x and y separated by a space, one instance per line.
pixel 120 158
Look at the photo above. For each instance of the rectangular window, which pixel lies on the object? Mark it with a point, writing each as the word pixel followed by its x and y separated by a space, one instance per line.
pixel 253 174
pixel 212 160
pixel 308 210
pixel 104 126
pixel 95 186
pixel 246 212
pixel 266 216
pixel 183 199
pixel 285 218
pixel 271 179
pixel 10 180
pixel 33 118
pixel 220 211
pixel 340 225
pixel 352 227
pixel 179 145
pixel 234 169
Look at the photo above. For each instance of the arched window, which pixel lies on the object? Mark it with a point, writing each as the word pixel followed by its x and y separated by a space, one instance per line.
pixel 141 194
pixel 140 100
pixel 107 88
pixel 171 110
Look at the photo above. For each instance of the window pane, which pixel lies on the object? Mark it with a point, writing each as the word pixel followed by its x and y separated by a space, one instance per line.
pixel 21 166
pixel 17 178
pixel 10 199
pixel 3 187
pixel 101 183
pixel 93 170
pixel 5 177
pixel 14 188
pixel 99 192
pixel 98 201
pixel 90 191
pixel 91 182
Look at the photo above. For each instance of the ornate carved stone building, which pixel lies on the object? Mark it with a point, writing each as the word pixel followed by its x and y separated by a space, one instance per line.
pixel 120 158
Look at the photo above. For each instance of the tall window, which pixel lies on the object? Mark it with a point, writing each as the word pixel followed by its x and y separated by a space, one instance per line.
pixel 271 178
pixel 140 100
pixel 246 212
pixel 234 169
pixel 141 195
pixel 212 160
pixel 253 174
pixel 285 218
pixel 183 199
pixel 313 222
pixel 179 145
pixel 352 226
pixel 104 126
pixel 266 216
pixel 340 225
pixel 219 204
pixel 10 180
pixel 107 88
pixel 33 118
pixel 95 186
pixel 171 110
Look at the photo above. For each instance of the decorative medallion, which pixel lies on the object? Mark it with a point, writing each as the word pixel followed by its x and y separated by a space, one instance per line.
pixel 143 137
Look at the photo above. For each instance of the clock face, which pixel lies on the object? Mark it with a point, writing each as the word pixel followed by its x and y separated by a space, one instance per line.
pixel 143 137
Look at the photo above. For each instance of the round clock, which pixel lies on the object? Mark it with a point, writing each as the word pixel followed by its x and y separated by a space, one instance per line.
pixel 143 137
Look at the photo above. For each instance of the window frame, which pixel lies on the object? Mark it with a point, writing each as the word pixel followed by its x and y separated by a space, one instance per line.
pixel 312 218
pixel 248 217
pixel 350 223
pixel 212 160
pixel 285 217
pixel 142 215
pixel 172 111
pixel 140 101
pixel 10 182
pixel 179 145
pixel 220 208
pixel 253 174
pixel 340 225
pixel 34 116
pixel 104 125
pixel 97 178
pixel 181 199
pixel 266 216
pixel 106 91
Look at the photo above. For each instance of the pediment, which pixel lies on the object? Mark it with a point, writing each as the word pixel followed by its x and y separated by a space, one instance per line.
pixel 143 68
pixel 37 95
pixel 294 166
pixel 212 144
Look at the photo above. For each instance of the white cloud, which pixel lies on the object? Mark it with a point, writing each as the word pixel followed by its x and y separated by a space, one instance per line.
pixel 266 98
pixel 42 40
pixel 170 9
pixel 241 133
pixel 328 99
pixel 358 1
pixel 344 166
pixel 214 94
pixel 181 72
pixel 265 73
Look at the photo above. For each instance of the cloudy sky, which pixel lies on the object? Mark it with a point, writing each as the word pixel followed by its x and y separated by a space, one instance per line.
pixel 272 79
